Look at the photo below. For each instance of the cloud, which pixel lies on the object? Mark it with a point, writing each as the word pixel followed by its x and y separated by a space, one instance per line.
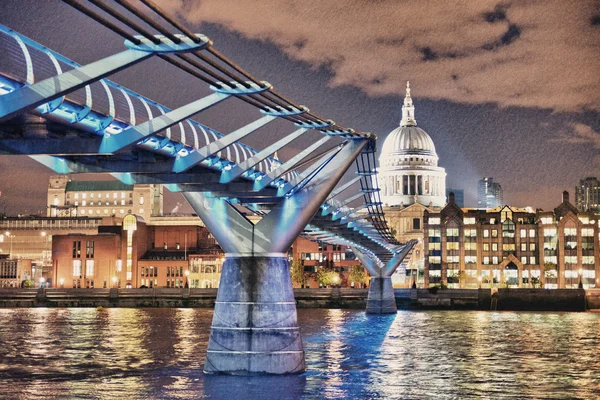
pixel 581 134
pixel 532 54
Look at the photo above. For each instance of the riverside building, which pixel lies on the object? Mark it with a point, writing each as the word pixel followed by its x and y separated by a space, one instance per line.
pixel 512 247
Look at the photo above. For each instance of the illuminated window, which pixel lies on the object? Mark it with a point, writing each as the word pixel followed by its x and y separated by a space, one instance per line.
pixel 470 232
pixel 532 260
pixel 523 233
pixel 76 195
pixel 587 232
pixel 494 260
pixel 452 245
pixel 494 246
pixel 570 259
pixel 532 233
pixel 76 267
pixel 549 232
pixel 494 233
pixel 486 260
pixel 523 260
pixel 433 220
pixel 486 247
pixel 547 220
pixel 452 232
pixel 141 199
pixel 89 267
pixel 470 259
pixel 523 246
pixel 469 221
pixel 587 259
pixel 486 233
pixel 470 246
pixel 91 195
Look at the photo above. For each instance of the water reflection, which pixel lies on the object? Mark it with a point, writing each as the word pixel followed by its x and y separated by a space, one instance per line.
pixel 159 353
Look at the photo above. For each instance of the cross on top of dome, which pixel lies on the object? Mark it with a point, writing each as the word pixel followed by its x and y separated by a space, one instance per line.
pixel 408 109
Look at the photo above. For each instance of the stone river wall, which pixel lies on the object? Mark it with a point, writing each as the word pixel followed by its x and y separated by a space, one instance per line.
pixel 410 299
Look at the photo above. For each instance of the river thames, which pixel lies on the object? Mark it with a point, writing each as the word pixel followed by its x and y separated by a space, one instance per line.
pixel 159 354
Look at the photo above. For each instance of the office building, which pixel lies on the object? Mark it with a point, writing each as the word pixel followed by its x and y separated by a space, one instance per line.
pixel 587 195
pixel 489 194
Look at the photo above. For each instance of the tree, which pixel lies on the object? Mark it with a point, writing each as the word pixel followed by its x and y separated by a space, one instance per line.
pixel 326 275
pixel 297 272
pixel 357 274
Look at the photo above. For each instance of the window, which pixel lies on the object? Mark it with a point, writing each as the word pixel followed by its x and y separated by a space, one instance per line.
pixel 494 260
pixel 486 247
pixel 76 249
pixel 523 233
pixel 435 246
pixel 523 246
pixel 89 249
pixel 84 203
pixel 452 232
pixel 89 267
pixel 84 195
pixel 416 224
pixel 470 246
pixel 531 246
pixel 119 265
pixel 486 260
pixel 570 231
pixel 587 232
pixel 452 245
pixel 494 233
pixel 470 232
pixel 532 233
pixel 570 259
pixel 76 267
pixel 494 246
pixel 433 220
pixel 469 221
pixel 76 195
pixel 524 260
pixel 486 233
pixel 453 259
pixel 122 202
pixel 141 200
pixel 547 220
pixel 508 247
pixel 532 260
pixel 434 259
pixel 587 259
pixel 470 259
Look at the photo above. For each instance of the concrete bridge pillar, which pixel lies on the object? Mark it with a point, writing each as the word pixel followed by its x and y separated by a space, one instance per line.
pixel 255 329
pixel 381 298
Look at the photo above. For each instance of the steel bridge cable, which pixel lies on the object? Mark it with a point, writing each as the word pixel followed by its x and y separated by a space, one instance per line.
pixel 202 68
pixel 216 66
pixel 125 21
pixel 101 20
pixel 149 21
pixel 189 71
pixel 150 4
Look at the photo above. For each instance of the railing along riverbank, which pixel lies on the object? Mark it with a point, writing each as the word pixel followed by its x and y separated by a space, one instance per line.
pixel 412 299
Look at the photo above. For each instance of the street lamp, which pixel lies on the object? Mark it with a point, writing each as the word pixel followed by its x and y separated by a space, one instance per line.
pixel 42 281
pixel 336 279
pixel 114 280
pixel 479 279
pixel 187 274
pixel 62 282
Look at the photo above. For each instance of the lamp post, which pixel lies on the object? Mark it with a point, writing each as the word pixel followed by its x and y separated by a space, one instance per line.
pixel 114 281
pixel 580 278
pixel 42 281
pixel 62 283
pixel 187 275
pixel 479 279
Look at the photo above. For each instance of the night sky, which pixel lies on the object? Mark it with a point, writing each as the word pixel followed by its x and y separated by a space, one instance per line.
pixel 505 89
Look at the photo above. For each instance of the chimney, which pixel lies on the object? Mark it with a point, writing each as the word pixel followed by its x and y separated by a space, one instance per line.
pixel 451 198
pixel 565 197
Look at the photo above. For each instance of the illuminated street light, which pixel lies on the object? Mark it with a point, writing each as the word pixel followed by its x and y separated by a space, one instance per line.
pixel 114 280
pixel 62 282
pixel 479 278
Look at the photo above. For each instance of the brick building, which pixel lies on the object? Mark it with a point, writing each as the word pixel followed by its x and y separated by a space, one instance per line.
pixel 508 246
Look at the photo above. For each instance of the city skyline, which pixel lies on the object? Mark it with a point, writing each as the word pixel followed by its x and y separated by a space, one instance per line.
pixel 536 142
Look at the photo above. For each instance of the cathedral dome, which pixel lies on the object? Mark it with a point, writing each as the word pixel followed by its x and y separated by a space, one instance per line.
pixel 409 140
pixel 408 165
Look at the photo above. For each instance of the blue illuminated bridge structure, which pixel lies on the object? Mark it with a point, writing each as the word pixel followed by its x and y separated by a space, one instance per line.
pixel 72 120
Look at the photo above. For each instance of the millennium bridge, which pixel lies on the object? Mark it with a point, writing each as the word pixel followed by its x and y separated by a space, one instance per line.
pixel 73 120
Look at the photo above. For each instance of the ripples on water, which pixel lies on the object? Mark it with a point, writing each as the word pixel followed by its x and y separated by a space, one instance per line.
pixel 159 353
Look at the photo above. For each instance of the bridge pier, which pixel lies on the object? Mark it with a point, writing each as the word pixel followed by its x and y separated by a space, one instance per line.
pixel 255 327
pixel 381 298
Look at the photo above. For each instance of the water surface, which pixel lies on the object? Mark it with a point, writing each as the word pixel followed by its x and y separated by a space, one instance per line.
pixel 159 353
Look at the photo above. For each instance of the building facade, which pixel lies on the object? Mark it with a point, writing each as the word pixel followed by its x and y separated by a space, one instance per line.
pixel 489 194
pixel 13 272
pixel 102 198
pixel 511 247
pixel 587 195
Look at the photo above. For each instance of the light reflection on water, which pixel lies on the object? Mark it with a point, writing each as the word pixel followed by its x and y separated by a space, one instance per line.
pixel 159 353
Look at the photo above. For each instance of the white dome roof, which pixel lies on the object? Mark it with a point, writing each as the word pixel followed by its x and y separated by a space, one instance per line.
pixel 408 140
